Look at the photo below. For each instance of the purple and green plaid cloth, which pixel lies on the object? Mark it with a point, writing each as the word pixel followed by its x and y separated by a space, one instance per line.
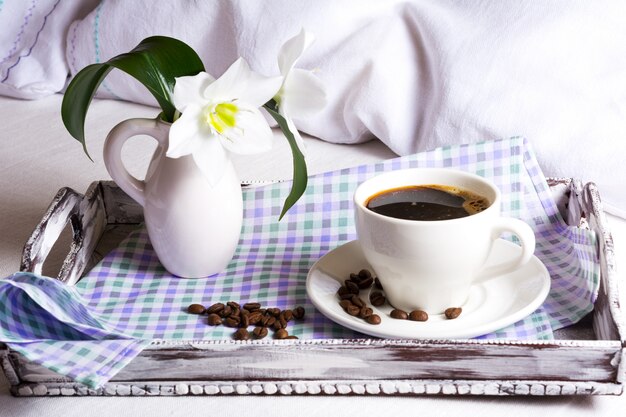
pixel 91 331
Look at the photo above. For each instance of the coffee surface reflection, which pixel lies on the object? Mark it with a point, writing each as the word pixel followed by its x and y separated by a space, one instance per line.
pixel 427 202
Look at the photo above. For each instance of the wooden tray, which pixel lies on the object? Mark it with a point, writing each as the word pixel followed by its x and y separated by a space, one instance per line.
pixel 584 359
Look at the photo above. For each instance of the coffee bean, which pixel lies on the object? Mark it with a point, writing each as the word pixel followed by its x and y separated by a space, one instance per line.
pixel 260 332
pixel 291 337
pixel 346 296
pixel 364 274
pixel 274 311
pixel 242 334
pixel 232 321
pixel 418 315
pixel 232 314
pixel 282 320
pixel 215 308
pixel 377 302
pixel 353 310
pixel 399 314
pixel 365 312
pixel 357 301
pixel 288 315
pixel 281 334
pixel 377 283
pixel 355 278
pixel 255 317
pixel 214 319
pixel 453 312
pixel 245 320
pixel 277 325
pixel 269 322
pixel 375 294
pixel 345 304
pixel 377 298
pixel 226 311
pixel 252 306
pixel 233 304
pixel 366 283
pixel 343 291
pixel 373 319
pixel 298 313
pixel 196 309
pixel 352 287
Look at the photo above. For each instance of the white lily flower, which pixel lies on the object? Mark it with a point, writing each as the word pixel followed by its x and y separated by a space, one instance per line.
pixel 301 93
pixel 221 116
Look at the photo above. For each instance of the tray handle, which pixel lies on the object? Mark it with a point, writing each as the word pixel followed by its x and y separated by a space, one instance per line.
pixel 85 214
pixel 607 320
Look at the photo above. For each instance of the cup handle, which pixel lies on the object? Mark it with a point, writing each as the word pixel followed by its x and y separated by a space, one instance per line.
pixel 527 238
pixel 112 153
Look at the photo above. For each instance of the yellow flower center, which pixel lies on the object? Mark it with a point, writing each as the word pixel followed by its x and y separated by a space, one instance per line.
pixel 221 116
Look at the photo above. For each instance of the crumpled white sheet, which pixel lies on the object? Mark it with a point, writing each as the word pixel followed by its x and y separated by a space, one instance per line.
pixel 415 74
pixel 32 45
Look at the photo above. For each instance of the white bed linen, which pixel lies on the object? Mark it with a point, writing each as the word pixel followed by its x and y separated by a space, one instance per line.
pixel 416 74
pixel 37 157
pixel 32 45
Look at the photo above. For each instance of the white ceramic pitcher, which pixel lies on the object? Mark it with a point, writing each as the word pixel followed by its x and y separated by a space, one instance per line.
pixel 193 226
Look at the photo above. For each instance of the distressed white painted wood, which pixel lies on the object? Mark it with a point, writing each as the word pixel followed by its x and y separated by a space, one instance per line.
pixel 587 359
pixel 330 387
pixel 86 215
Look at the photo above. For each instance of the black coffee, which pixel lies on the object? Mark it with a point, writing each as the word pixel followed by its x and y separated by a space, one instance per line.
pixel 427 202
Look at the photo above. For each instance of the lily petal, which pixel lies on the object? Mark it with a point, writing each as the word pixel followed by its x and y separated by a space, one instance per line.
pixel 186 133
pixel 292 49
pixel 260 89
pixel 211 158
pixel 302 95
pixel 239 82
pixel 188 90
pixel 251 135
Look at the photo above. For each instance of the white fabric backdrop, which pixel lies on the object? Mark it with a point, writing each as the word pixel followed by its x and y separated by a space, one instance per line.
pixel 416 74
pixel 32 45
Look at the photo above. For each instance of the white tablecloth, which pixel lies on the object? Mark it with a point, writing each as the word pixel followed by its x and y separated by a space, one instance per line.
pixel 38 157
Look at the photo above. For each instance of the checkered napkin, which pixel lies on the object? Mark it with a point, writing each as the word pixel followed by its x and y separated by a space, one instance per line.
pixel 91 331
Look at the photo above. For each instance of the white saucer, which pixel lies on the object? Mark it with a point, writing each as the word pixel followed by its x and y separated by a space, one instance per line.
pixel 491 305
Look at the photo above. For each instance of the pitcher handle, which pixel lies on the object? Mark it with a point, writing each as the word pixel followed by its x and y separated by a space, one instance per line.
pixel 112 152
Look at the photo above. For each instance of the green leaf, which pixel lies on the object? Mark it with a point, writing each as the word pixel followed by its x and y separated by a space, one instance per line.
pixel 300 176
pixel 155 63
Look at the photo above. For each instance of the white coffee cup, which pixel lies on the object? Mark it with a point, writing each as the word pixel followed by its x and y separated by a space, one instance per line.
pixel 431 264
